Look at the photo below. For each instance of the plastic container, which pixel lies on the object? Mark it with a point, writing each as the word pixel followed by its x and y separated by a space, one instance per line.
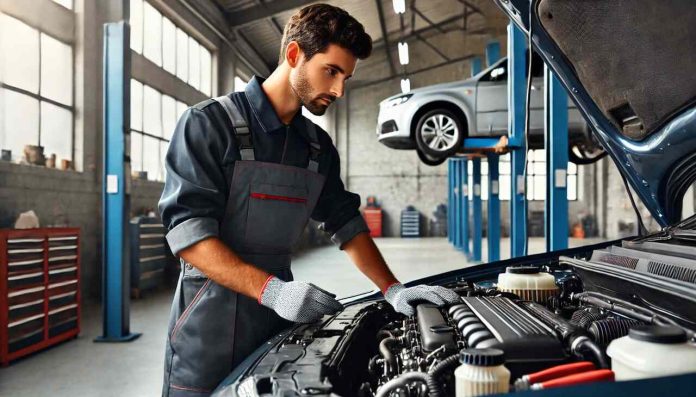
pixel 481 373
pixel 528 283
pixel 651 351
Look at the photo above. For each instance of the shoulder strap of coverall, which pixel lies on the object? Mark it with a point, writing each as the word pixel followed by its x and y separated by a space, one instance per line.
pixel 314 147
pixel 240 126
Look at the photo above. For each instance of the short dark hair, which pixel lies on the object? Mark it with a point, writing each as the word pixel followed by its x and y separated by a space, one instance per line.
pixel 316 26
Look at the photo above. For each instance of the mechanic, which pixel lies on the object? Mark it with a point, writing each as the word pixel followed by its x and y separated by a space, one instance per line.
pixel 245 172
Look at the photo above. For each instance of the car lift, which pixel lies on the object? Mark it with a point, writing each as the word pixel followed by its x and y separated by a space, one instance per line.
pixel 556 140
pixel 116 186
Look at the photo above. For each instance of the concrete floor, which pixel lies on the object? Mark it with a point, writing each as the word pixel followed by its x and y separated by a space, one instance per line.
pixel 82 368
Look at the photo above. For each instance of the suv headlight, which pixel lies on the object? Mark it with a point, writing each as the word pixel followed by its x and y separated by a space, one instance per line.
pixel 398 100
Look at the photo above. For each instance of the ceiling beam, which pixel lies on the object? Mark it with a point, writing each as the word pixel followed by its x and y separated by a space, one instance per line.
pixel 242 38
pixel 427 20
pixel 276 27
pixel 385 36
pixel 263 11
pixel 439 25
pixel 411 73
pixel 432 47
pixel 469 5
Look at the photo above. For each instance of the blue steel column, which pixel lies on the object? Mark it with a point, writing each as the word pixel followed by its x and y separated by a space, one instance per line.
pixel 493 209
pixel 456 215
pixel 477 209
pixel 464 198
pixel 116 186
pixel 492 56
pixel 516 114
pixel 450 201
pixel 556 143
pixel 475 66
pixel 492 53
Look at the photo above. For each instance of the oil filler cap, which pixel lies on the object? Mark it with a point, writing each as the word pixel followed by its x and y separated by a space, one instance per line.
pixel 482 357
pixel 658 334
pixel 522 269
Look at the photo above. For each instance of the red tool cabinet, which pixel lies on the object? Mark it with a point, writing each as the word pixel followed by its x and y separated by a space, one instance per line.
pixel 373 218
pixel 39 289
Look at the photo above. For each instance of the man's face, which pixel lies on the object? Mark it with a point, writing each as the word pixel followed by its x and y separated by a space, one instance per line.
pixel 319 81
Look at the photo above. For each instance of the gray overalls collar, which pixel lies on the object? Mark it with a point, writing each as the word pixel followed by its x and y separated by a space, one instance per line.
pixel 263 110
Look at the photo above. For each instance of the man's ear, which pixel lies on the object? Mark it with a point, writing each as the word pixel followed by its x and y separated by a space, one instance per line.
pixel 293 53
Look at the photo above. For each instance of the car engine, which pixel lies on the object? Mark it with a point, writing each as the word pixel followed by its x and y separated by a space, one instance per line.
pixel 569 311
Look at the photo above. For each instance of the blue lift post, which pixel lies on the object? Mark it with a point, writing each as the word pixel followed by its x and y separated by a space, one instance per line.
pixel 493 208
pixel 116 186
pixel 457 215
pixel 477 234
pixel 454 177
pixel 464 204
pixel 450 200
pixel 493 234
pixel 492 53
pixel 556 143
pixel 516 122
pixel 477 209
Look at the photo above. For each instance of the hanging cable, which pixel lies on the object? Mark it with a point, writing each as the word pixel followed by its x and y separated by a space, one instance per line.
pixel 642 230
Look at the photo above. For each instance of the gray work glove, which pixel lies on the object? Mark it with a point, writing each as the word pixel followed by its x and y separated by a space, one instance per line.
pixel 298 301
pixel 403 299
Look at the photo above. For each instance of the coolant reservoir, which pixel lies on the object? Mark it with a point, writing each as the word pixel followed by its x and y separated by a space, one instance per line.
pixel 528 283
pixel 650 351
pixel 481 373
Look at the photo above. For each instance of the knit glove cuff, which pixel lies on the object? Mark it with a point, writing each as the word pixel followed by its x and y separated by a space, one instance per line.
pixel 270 291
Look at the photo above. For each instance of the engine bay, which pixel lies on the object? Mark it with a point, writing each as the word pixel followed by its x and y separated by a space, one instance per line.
pixel 558 322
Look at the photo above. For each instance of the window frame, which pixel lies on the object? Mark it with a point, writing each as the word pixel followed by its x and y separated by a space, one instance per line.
pixel 208 91
pixel 505 173
pixel 38 96
pixel 133 132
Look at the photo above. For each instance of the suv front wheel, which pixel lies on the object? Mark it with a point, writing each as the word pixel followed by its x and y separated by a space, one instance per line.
pixel 439 133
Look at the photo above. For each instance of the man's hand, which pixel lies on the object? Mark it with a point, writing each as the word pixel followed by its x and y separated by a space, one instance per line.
pixel 298 301
pixel 403 299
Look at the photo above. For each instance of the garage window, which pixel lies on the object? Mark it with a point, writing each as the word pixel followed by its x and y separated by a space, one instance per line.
pixel 153 118
pixel 36 98
pixel 168 46
pixel 536 177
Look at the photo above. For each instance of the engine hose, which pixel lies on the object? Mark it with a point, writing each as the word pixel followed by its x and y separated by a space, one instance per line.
pixel 628 309
pixel 434 388
pixel 385 351
pixel 606 330
pixel 583 344
pixel 384 334
pixel 583 318
pixel 402 381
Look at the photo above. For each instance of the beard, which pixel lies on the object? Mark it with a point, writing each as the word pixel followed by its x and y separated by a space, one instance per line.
pixel 303 90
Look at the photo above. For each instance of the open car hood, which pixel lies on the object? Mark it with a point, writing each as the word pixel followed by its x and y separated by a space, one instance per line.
pixel 627 64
